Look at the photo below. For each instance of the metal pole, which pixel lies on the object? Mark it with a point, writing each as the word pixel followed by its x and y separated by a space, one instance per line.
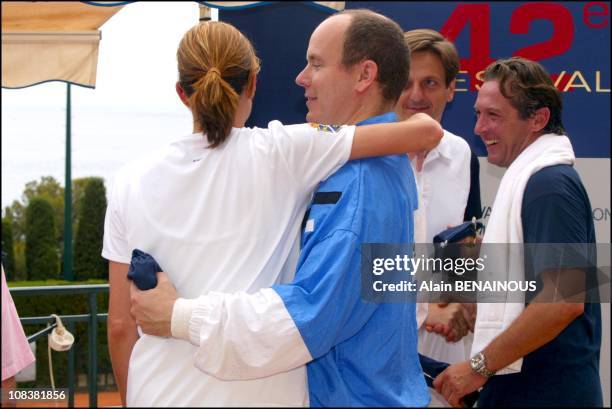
pixel 68 273
pixel 205 13
pixel 71 382
pixel 92 381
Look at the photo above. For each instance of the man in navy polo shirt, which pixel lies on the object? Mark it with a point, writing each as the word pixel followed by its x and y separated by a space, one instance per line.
pixel 543 354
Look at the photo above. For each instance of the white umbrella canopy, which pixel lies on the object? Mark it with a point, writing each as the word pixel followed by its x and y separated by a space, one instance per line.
pixel 228 5
pixel 336 5
pixel 52 41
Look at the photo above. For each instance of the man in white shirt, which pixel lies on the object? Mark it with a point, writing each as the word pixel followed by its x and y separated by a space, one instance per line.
pixel 448 184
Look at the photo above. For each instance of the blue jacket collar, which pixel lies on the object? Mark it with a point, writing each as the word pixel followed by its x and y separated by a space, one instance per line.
pixel 379 119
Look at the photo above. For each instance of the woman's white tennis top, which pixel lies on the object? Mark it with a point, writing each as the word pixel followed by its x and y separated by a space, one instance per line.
pixel 225 219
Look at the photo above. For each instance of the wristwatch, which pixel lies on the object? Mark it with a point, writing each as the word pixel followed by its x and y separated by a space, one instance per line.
pixel 478 363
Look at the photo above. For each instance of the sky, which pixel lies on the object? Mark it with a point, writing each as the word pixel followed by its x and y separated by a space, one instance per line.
pixel 136 77
pixel 136 61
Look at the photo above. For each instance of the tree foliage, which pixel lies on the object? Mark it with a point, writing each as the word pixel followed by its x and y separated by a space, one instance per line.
pixel 20 269
pixel 49 188
pixel 8 250
pixel 41 249
pixel 78 191
pixel 88 262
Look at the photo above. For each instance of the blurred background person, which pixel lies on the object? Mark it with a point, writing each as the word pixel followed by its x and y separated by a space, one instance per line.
pixel 448 184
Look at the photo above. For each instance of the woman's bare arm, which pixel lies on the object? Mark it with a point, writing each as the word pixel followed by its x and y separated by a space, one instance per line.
pixel 122 332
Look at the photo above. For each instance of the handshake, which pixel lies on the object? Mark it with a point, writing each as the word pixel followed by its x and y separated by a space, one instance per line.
pixel 451 320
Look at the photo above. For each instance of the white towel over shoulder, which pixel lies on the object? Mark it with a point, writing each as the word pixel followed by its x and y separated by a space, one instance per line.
pixel 505 226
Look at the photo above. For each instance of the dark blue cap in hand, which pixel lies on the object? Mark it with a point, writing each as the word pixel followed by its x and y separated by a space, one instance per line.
pixel 143 270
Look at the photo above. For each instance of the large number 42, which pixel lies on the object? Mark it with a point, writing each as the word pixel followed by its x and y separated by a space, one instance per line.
pixel 478 18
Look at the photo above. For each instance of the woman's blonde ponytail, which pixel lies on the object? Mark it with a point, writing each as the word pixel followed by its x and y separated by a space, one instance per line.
pixel 216 64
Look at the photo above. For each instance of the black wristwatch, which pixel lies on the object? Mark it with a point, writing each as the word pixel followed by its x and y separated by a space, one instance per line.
pixel 478 363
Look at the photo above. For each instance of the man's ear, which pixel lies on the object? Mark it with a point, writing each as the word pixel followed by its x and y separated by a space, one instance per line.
pixel 368 72
pixel 450 91
pixel 540 119
pixel 182 95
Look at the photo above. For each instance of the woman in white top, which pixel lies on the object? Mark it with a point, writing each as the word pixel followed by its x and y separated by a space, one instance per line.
pixel 228 201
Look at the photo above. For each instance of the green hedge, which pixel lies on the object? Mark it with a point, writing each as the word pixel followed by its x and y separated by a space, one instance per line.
pixel 68 304
pixel 41 249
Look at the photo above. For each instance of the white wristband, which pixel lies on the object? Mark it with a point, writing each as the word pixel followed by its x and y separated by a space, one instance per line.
pixel 181 314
